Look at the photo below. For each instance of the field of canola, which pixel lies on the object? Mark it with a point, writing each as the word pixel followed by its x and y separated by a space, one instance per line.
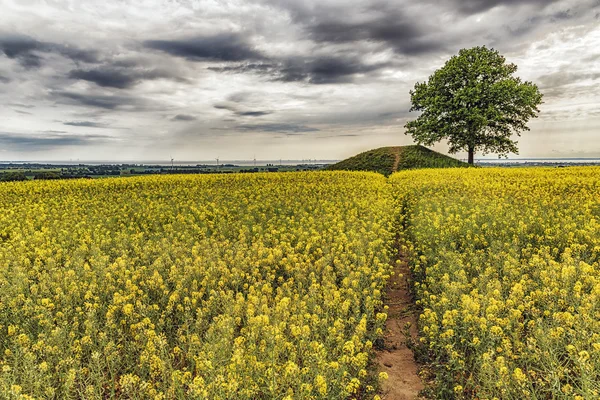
pixel 270 285
pixel 506 269
pixel 200 287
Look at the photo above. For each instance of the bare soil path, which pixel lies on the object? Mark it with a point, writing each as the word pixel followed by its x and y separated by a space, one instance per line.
pixel 397 160
pixel 396 358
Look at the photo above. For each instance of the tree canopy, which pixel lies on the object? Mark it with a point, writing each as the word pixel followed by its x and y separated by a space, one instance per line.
pixel 474 102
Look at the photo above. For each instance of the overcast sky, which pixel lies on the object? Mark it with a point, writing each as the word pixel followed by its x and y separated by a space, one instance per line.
pixel 291 79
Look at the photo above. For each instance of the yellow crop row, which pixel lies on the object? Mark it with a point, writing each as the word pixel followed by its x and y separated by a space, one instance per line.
pixel 207 287
pixel 506 270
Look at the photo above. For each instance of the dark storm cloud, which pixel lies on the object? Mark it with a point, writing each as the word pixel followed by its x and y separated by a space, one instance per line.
pixel 27 50
pixel 385 23
pixel 242 113
pixel 224 106
pixel 478 6
pixel 322 70
pixel 107 102
pixel 86 124
pixel 232 48
pixel 277 127
pixel 221 47
pixel 183 117
pixel 264 67
pixel 253 113
pixel 315 70
pixel 104 77
pixel 117 77
pixel 45 141
pixel 4 79
pixel 405 36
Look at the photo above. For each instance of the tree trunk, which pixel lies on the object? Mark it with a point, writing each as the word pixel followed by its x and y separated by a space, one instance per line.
pixel 471 155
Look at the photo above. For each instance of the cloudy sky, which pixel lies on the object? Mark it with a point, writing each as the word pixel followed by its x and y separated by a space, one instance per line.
pixel 271 79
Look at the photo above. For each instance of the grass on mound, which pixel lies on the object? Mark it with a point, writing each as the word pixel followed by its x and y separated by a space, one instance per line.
pixel 387 160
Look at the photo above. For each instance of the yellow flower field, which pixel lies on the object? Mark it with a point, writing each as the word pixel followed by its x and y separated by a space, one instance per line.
pixel 269 286
pixel 201 287
pixel 506 270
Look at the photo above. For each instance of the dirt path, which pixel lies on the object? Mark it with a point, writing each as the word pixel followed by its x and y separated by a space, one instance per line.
pixel 397 160
pixel 396 358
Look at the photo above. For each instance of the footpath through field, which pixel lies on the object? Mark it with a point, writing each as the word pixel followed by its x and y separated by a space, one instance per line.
pixel 396 358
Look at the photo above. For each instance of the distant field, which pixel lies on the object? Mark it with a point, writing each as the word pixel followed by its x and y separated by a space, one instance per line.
pixel 216 286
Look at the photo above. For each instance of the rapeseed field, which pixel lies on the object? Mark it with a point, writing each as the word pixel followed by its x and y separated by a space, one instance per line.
pixel 506 271
pixel 196 287
pixel 270 286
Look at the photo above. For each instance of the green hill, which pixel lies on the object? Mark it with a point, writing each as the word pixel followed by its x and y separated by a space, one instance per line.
pixel 387 160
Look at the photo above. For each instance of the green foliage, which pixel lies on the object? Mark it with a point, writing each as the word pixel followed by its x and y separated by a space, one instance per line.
pixel 387 160
pixel 475 103
pixel 46 175
pixel 416 157
pixel 12 177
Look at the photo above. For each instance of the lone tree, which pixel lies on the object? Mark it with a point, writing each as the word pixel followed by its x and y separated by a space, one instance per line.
pixel 475 103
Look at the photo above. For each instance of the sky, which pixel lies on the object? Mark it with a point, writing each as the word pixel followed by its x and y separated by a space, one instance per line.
pixel 135 80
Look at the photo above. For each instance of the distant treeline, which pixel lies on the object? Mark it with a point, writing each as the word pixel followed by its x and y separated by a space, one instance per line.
pixel 90 173
pixel 21 176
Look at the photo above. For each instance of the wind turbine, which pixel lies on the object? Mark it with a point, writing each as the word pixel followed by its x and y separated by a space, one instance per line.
pixel 217 161
pixel 172 165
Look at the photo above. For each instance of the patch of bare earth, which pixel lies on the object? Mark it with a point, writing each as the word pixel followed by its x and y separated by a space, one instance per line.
pixel 396 358
pixel 397 160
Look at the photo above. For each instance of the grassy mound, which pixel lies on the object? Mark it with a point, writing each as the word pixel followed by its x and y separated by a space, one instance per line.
pixel 387 160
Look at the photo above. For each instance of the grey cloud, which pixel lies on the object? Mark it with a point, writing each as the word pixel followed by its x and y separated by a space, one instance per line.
pixel 336 68
pixel 104 77
pixel 288 128
pixel 87 124
pixel 183 117
pixel 47 141
pixel 221 47
pixel 224 106
pixel 591 58
pixel 21 105
pixel 478 6
pixel 315 70
pixel 260 67
pixel 234 108
pixel 337 136
pixel 27 50
pixel 4 79
pixel 22 112
pixel 108 102
pixel 116 77
pixel 386 23
pixel 253 113
pixel 405 36
pixel 239 97
pixel 563 78
pixel 322 70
